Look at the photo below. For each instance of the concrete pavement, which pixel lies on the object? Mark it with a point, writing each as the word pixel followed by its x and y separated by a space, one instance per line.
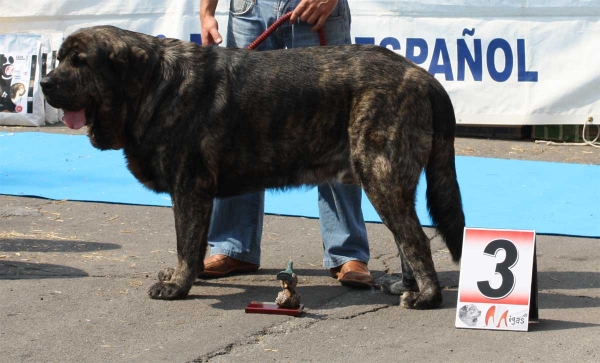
pixel 73 281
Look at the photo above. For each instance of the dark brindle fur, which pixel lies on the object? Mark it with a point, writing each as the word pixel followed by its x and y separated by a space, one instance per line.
pixel 202 122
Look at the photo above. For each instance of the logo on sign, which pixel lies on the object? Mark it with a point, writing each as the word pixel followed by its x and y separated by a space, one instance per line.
pixel 9 70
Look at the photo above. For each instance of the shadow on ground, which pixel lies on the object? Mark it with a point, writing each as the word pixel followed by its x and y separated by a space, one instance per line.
pixel 550 325
pixel 17 270
pixel 46 245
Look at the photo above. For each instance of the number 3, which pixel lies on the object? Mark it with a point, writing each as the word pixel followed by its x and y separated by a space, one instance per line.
pixel 503 268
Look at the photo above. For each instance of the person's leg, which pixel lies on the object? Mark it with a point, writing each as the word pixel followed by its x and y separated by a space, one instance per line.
pixel 236 223
pixel 236 227
pixel 342 225
pixel 346 249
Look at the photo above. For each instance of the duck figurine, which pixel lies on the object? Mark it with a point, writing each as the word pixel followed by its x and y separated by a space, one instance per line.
pixel 289 297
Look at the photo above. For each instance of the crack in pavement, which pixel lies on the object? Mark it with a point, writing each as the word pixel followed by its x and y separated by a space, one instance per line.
pixel 281 329
pixel 209 356
pixel 366 312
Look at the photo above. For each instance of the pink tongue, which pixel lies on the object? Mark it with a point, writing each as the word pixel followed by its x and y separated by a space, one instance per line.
pixel 74 119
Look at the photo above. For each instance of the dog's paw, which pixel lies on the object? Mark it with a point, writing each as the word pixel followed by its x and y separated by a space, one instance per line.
pixel 166 274
pixel 167 291
pixel 421 301
pixel 395 285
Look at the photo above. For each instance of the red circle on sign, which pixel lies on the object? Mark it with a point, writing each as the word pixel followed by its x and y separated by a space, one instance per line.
pixel 19 108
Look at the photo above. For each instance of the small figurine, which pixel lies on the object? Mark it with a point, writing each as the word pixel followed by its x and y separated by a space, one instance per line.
pixel 289 297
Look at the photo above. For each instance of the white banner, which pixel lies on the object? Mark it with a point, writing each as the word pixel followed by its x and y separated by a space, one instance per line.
pixel 503 62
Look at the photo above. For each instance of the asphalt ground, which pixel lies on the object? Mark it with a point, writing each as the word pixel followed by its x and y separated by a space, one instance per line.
pixel 73 281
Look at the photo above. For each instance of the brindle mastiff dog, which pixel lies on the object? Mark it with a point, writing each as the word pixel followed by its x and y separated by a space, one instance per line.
pixel 205 122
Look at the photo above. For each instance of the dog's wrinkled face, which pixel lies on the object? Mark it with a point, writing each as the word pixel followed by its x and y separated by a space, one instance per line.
pixel 91 83
pixel 71 85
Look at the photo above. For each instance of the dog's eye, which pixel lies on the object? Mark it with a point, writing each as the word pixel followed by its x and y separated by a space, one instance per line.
pixel 78 60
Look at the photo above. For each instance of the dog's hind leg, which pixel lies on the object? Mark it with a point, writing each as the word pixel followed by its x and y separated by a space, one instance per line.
pixel 398 214
pixel 408 278
pixel 192 218
pixel 389 174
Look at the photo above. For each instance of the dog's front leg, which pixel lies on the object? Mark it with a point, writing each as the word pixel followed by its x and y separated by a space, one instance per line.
pixel 192 218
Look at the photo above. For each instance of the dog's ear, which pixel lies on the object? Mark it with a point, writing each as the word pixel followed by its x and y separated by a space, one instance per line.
pixel 131 61
pixel 128 56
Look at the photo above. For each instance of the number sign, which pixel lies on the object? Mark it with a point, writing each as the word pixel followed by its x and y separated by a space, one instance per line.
pixel 498 280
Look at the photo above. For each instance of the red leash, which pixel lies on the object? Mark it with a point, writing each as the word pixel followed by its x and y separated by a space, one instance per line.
pixel 276 25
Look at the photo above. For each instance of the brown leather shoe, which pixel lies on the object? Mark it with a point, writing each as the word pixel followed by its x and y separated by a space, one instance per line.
pixel 222 265
pixel 353 273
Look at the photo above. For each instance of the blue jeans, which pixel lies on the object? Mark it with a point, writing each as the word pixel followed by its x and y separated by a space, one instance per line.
pixel 236 223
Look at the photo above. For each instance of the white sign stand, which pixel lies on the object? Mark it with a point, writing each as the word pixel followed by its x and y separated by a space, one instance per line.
pixel 498 280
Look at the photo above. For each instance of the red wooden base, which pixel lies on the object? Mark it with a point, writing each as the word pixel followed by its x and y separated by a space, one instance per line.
pixel 272 308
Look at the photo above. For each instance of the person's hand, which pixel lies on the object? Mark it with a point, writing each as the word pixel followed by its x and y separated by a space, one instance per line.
pixel 210 31
pixel 313 12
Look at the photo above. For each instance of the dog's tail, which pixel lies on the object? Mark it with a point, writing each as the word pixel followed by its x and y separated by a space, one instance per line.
pixel 443 194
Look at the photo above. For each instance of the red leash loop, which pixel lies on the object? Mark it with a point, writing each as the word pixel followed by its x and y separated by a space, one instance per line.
pixel 276 25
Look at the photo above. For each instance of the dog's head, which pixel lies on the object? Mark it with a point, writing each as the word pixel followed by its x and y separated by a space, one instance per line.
pixel 99 80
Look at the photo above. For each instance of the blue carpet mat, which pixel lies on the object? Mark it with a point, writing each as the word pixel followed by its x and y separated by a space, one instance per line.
pixel 550 198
